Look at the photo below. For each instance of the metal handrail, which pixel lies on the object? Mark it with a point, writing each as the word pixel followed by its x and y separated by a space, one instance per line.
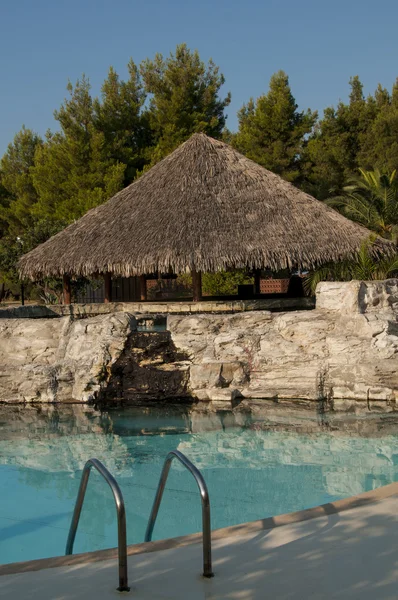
pixel 121 517
pixel 204 494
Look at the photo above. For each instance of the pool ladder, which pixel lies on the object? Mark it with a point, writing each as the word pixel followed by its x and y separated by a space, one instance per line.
pixel 121 511
pixel 121 517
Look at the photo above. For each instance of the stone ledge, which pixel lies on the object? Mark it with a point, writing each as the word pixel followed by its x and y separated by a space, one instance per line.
pixel 37 311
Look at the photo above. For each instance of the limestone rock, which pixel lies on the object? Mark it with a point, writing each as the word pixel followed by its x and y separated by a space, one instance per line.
pixel 338 296
pixel 345 349
pixel 59 360
pixel 379 296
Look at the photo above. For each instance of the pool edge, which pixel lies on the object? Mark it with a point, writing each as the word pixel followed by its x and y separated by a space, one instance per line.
pixel 195 538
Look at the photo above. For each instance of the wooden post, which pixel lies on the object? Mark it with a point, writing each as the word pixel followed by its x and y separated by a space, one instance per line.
pixel 257 277
pixel 143 292
pixel 22 293
pixel 67 292
pixel 197 285
pixel 108 287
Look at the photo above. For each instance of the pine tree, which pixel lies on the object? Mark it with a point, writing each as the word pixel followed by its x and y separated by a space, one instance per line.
pixel 379 147
pixel 73 170
pixel 119 115
pixel 4 205
pixel 333 150
pixel 382 97
pixel 272 131
pixel 18 192
pixel 184 98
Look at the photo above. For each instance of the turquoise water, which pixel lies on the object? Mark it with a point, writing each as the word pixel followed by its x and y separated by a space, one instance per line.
pixel 251 473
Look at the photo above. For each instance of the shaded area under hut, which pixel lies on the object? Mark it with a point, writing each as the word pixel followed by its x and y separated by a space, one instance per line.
pixel 204 208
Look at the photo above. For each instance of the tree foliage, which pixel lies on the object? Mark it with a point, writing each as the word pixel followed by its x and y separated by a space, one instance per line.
pixel 222 283
pixel 359 134
pixel 18 194
pixel 12 247
pixel 225 283
pixel 272 131
pixel 120 116
pixel 74 170
pixel 333 149
pixel 379 144
pixel 184 98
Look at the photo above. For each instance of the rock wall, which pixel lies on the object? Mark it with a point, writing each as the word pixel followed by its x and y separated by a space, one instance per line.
pixel 59 360
pixel 344 351
pixel 342 354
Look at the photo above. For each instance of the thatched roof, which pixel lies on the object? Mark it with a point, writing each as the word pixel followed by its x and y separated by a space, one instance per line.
pixel 204 207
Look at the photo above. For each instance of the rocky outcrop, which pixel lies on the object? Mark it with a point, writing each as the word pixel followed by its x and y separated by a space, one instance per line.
pixel 59 360
pixel 344 351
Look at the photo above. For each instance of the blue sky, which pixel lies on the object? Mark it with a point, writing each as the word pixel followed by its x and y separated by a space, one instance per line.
pixel 319 44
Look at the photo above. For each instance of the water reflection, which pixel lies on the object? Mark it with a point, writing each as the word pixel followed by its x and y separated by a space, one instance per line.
pixel 255 466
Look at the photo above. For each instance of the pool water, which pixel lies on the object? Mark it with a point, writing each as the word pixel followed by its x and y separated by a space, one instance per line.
pixel 251 473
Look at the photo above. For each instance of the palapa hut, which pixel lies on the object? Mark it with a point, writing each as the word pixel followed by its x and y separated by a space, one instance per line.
pixel 204 208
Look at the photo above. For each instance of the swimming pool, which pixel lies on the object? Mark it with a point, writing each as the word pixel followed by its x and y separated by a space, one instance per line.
pixel 252 472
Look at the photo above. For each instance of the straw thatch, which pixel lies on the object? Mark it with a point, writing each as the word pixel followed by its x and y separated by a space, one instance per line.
pixel 204 207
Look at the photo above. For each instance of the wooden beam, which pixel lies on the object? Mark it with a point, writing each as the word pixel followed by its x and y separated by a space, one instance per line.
pixel 197 286
pixel 143 291
pixel 257 278
pixel 67 291
pixel 108 287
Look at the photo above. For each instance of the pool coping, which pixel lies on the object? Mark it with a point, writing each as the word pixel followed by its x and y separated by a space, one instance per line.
pixel 243 529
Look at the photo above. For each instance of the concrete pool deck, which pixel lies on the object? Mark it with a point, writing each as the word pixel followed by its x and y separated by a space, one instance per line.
pixel 345 549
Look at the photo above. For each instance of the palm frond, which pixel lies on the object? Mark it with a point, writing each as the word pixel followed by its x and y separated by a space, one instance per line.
pixel 311 280
pixel 387 268
pixel 367 265
pixel 370 198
